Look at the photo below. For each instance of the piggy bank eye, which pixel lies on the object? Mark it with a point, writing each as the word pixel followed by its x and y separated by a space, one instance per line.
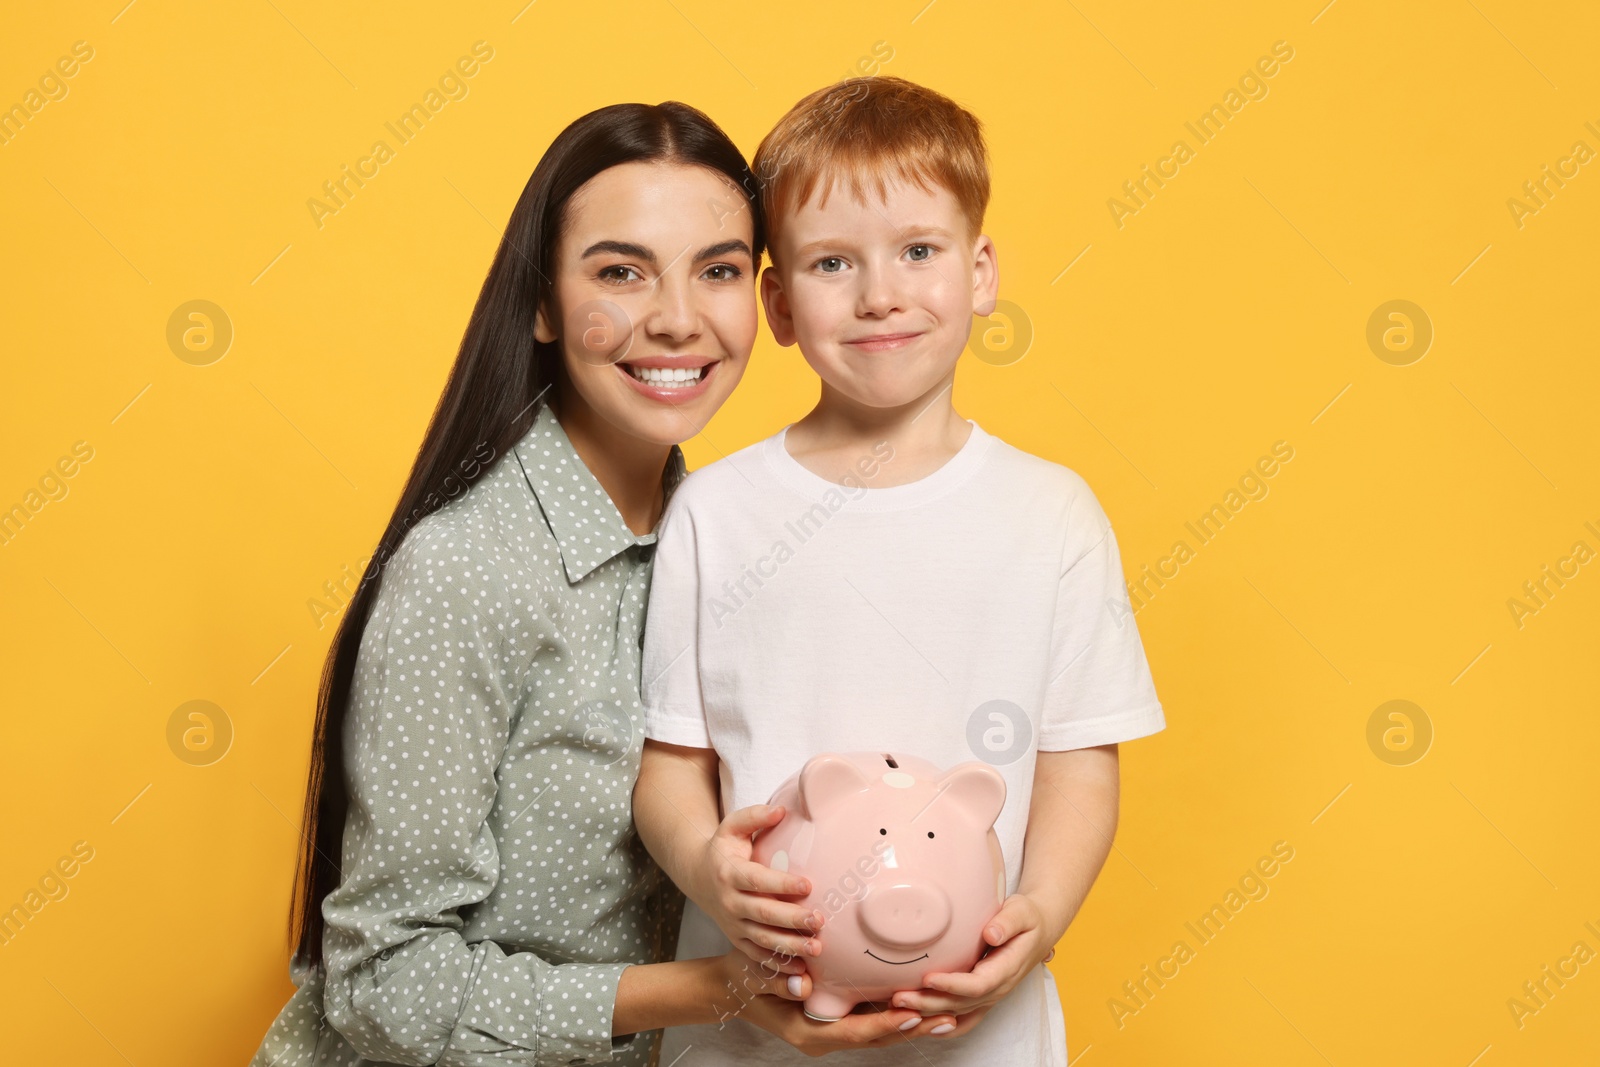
pixel 930 833
pixel 883 831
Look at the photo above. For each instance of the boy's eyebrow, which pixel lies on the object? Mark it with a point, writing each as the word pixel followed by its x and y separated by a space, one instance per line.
pixel 905 234
pixel 813 247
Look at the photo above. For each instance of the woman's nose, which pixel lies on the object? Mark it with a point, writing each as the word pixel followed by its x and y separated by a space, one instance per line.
pixel 673 312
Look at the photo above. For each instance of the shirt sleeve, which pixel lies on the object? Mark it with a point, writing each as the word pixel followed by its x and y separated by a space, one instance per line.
pixel 431 710
pixel 674 707
pixel 1100 691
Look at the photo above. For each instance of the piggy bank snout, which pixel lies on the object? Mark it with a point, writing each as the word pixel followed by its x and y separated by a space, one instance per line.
pixel 906 915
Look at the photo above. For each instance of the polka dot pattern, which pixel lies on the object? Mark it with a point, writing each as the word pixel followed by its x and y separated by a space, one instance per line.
pixel 494 887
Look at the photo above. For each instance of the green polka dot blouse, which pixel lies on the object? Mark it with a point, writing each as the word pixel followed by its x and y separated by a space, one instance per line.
pixel 493 888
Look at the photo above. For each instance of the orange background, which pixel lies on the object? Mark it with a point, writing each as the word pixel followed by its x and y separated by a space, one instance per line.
pixel 1168 354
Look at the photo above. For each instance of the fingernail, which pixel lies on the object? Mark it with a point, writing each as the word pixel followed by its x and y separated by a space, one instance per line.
pixel 814 947
pixel 909 1023
pixel 794 985
pixel 942 1028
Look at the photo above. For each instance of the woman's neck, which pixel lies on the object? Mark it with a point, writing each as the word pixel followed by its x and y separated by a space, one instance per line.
pixel 628 469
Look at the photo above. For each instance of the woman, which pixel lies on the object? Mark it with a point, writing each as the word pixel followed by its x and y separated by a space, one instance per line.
pixel 470 884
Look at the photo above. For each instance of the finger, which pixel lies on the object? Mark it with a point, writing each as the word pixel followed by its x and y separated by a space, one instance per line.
pixel 770 961
pixel 746 821
pixel 753 877
pixel 964 1023
pixel 969 986
pixel 780 914
pixel 1015 915
pixel 978 982
pixel 873 1029
pixel 941 1024
pixel 988 974
pixel 927 1002
pixel 787 986
pixel 781 942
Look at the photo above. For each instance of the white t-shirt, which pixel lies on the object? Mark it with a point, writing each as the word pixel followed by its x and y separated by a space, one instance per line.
pixel 979 612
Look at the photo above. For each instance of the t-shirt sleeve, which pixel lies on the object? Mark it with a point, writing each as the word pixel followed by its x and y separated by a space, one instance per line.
pixel 674 708
pixel 1100 691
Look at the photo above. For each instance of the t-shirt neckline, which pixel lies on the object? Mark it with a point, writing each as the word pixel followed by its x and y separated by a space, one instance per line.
pixel 952 473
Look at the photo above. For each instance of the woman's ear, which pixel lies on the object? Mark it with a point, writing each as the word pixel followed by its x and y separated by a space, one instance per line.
pixel 779 320
pixel 541 328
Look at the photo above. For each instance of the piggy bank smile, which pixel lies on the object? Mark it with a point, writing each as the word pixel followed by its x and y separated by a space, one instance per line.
pixel 904 865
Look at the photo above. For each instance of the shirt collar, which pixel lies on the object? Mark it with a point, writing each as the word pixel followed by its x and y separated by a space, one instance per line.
pixel 587 526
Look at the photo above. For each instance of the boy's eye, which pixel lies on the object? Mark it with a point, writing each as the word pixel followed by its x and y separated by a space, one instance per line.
pixel 831 265
pixel 619 274
pixel 920 253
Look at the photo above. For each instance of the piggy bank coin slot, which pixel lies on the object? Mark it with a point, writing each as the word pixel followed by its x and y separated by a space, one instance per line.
pixel 890 761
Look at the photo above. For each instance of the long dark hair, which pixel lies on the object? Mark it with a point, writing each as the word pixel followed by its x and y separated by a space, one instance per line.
pixel 500 376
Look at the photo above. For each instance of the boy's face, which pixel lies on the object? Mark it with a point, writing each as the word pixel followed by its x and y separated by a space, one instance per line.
pixel 880 296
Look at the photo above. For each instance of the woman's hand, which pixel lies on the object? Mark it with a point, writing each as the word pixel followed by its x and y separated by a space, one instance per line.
pixel 1020 942
pixel 875 1028
pixel 771 932
pixel 744 979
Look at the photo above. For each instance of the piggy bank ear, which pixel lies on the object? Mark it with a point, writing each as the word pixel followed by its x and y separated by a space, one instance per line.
pixel 976 789
pixel 826 781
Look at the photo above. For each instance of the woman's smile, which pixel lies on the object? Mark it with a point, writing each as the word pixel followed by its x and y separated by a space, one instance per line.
pixel 670 379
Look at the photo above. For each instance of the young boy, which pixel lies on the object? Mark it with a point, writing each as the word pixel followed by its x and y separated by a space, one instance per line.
pixel 884 575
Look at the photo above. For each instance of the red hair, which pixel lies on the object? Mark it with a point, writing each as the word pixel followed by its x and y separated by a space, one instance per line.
pixel 862 132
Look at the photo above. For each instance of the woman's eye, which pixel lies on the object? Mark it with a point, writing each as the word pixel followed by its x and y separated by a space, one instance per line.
pixel 619 274
pixel 724 272
pixel 831 265
pixel 920 253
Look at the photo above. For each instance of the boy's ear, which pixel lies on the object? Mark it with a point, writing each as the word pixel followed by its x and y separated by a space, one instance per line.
pixel 541 328
pixel 985 277
pixel 776 303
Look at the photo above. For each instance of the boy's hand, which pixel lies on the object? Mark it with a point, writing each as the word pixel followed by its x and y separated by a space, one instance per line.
pixel 773 932
pixel 1020 942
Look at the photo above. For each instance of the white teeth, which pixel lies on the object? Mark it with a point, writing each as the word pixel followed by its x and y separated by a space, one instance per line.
pixel 668 377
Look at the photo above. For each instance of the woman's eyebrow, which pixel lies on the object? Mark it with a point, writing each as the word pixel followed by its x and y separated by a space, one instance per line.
pixel 620 248
pixel 712 251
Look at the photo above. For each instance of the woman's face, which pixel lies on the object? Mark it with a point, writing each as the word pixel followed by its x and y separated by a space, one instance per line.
pixel 654 297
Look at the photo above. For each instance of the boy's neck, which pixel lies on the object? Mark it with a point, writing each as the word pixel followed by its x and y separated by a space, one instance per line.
pixel 925 434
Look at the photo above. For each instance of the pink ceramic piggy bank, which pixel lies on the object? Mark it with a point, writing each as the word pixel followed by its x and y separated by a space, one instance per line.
pixel 903 862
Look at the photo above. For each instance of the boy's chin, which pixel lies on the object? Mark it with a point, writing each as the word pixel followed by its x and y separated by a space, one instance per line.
pixel 888 396
pixel 887 386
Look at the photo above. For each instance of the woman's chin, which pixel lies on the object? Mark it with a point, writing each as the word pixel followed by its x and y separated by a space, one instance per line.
pixel 657 422
pixel 668 415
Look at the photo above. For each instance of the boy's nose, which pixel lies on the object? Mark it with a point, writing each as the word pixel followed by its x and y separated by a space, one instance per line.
pixel 878 295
